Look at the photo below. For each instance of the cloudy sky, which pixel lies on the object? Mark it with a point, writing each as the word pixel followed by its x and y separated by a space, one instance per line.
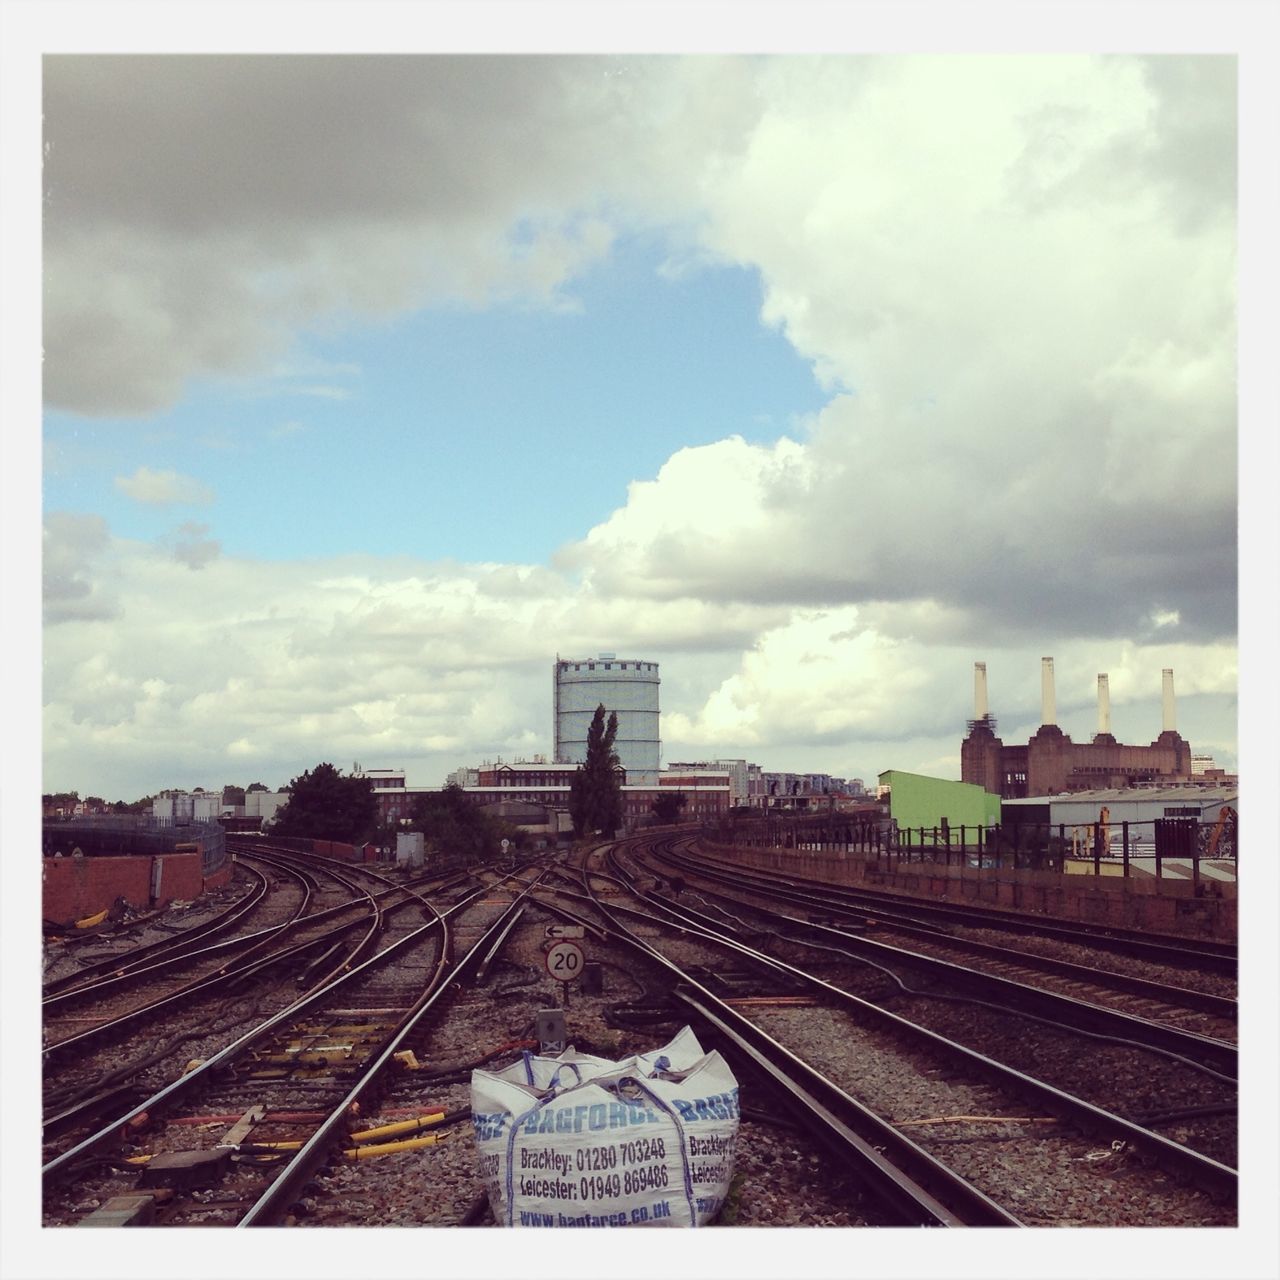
pixel 374 382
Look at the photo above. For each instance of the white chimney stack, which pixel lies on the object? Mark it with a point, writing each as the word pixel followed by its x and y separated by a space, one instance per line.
pixel 1104 704
pixel 979 690
pixel 1048 712
pixel 1166 700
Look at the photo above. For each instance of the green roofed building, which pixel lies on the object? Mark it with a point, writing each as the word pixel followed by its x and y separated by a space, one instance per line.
pixel 919 801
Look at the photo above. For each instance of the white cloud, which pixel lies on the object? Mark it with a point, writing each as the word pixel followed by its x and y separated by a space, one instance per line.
pixel 164 488
pixel 1037 342
pixel 344 658
pixel 419 665
pixel 319 392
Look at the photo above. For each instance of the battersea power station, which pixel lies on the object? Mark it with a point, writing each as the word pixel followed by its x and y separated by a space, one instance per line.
pixel 1050 763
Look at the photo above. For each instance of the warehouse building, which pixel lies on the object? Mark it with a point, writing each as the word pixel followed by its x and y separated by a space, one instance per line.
pixel 1134 824
pixel 917 801
pixel 1138 806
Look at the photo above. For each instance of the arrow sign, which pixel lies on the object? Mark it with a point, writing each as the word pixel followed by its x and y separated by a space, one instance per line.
pixel 566 931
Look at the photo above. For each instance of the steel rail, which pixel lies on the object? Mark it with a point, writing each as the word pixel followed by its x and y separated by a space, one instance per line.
pixel 917 1188
pixel 235 972
pixel 1164 948
pixel 240 968
pixel 1186 997
pixel 119 964
pixel 1220 1055
pixel 1209 1174
pixel 274 1202
pixel 78 1105
pixel 132 976
pixel 199 1075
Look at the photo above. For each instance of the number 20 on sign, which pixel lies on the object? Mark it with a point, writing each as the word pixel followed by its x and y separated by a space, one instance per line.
pixel 564 961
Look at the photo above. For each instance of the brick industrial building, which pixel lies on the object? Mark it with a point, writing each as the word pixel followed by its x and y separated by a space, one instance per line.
pixel 1050 763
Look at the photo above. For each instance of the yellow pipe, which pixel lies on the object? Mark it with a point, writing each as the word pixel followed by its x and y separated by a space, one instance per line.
pixel 363 1153
pixel 390 1148
pixel 399 1126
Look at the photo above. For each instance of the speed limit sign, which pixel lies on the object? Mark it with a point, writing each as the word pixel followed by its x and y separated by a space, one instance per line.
pixel 564 961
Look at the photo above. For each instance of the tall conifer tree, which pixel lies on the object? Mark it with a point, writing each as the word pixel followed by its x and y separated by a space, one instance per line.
pixel 595 792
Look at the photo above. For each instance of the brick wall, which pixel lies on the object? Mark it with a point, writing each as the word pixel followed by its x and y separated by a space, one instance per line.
pixel 77 887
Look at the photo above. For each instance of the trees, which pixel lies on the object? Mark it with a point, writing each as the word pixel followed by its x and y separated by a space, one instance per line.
pixel 595 791
pixel 324 805
pixel 143 805
pixel 256 786
pixel 459 830
pixel 668 805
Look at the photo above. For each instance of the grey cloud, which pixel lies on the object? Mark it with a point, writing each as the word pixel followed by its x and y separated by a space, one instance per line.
pixel 71 544
pixel 253 142
pixel 1193 153
pixel 193 549
pixel 196 553
pixel 221 202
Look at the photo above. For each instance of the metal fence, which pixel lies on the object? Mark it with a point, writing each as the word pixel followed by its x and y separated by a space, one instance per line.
pixel 1159 847
pixel 122 835
pixel 1162 847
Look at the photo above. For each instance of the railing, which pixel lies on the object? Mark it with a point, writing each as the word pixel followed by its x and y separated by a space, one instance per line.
pixel 1163 847
pixel 1159 847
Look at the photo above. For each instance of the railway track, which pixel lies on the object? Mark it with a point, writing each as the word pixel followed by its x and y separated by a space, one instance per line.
pixel 853 1113
pixel 315 1058
pixel 1165 1018
pixel 1187 1090
pixel 130 959
pixel 1090 1118
pixel 173 1023
pixel 1181 952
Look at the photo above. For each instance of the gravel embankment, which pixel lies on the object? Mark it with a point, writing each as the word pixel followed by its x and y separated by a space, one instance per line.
pixel 782 1178
pixel 1045 1174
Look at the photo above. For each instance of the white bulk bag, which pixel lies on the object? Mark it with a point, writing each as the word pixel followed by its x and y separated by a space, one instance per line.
pixel 574 1140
